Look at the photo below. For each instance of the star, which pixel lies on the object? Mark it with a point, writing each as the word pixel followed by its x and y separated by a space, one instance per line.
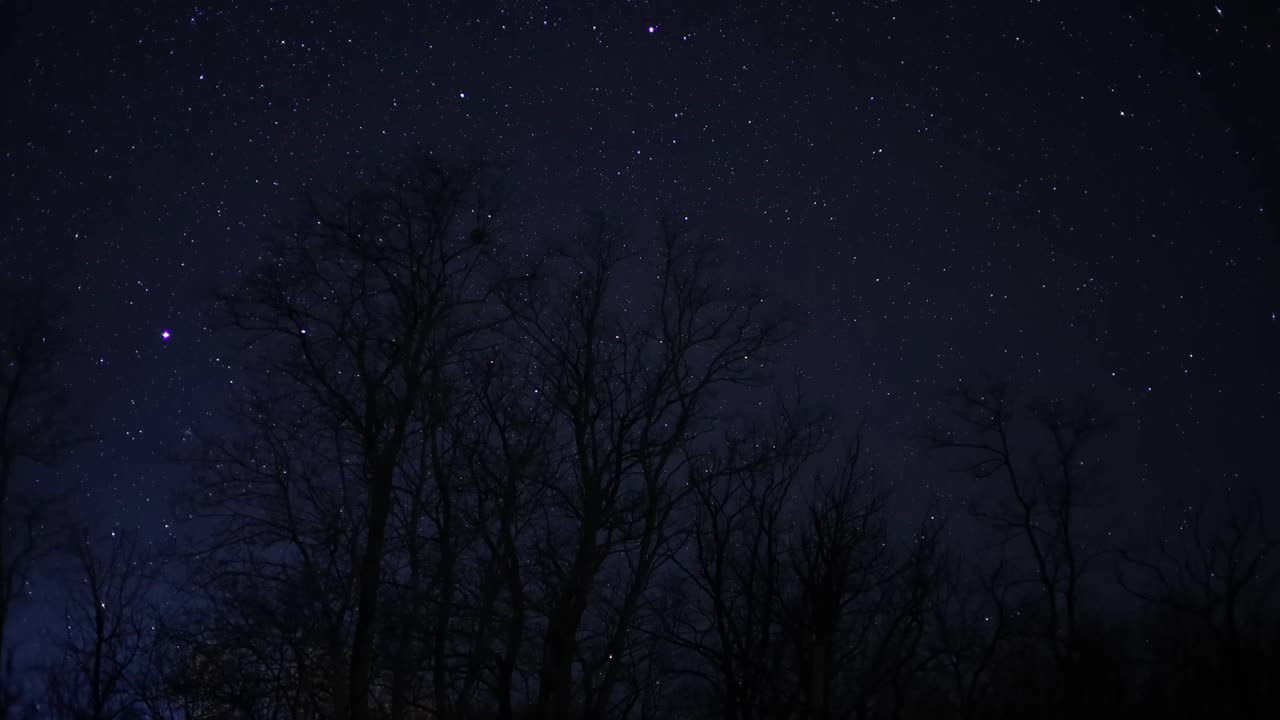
pixel 164 336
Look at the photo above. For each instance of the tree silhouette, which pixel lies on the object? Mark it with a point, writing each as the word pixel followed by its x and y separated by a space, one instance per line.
pixel 472 479
pixel 37 427
pixel 103 668
pixel 738 570
pixel 971 618
pixel 366 308
pixel 631 392
pixel 1046 479
pixel 1209 587
pixel 273 584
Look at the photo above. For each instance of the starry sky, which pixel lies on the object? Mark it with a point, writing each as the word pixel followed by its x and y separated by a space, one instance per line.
pixel 1082 194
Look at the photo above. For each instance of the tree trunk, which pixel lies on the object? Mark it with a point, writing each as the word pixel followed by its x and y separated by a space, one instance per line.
pixel 370 577
pixel 556 678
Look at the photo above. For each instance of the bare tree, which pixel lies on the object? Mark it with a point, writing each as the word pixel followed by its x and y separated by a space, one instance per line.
pixel 104 648
pixel 631 386
pixel 271 595
pixel 461 540
pixel 1210 584
pixel 1038 454
pixel 37 426
pixel 801 605
pixel 840 562
pixel 365 311
pixel 734 621
pixel 970 625
pixel 386 446
pixel 514 463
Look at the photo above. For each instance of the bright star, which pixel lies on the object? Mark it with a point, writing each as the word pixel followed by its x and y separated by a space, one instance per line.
pixel 164 335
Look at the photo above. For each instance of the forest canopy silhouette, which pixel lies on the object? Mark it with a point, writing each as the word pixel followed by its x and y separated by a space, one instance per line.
pixel 475 476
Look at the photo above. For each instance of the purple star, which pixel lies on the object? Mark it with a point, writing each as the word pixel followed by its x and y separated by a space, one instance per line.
pixel 164 336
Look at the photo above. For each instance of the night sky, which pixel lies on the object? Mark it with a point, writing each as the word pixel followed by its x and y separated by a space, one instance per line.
pixel 1085 198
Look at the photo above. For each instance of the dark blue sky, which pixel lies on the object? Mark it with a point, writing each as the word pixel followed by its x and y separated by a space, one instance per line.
pixel 1078 196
